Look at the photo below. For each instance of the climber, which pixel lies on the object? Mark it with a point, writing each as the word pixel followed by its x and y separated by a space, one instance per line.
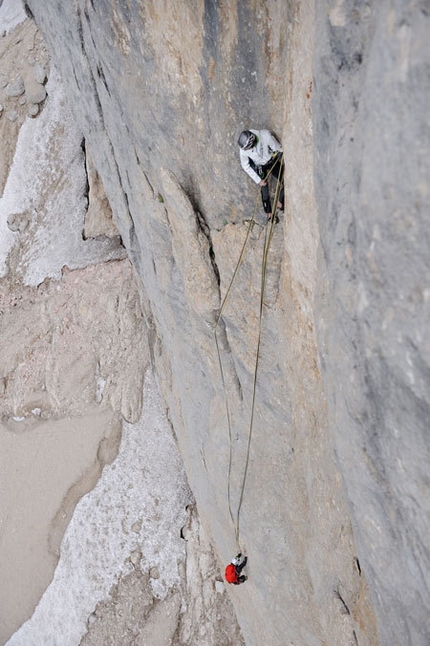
pixel 234 569
pixel 261 154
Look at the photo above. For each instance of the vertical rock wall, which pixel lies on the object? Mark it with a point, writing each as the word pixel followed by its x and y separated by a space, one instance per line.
pixel 372 141
pixel 161 94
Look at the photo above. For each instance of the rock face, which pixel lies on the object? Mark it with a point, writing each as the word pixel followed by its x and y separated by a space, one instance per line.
pixel 78 421
pixel 372 139
pixel 335 502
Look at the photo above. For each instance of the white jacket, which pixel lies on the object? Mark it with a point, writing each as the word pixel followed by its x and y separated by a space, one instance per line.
pixel 261 153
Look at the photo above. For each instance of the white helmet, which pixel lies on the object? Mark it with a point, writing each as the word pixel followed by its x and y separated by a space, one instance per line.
pixel 246 139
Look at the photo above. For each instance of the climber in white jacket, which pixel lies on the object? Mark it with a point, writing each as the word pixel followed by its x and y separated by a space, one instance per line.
pixel 261 154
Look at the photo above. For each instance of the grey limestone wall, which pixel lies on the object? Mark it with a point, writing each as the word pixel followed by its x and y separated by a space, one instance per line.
pixel 340 435
pixel 372 169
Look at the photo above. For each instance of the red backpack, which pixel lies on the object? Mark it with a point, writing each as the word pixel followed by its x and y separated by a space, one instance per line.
pixel 230 573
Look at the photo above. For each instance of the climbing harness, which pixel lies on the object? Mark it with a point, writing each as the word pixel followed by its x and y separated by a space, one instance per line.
pixel 267 240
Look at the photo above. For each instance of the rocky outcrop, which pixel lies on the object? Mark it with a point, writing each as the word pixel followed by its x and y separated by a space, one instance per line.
pixel 338 440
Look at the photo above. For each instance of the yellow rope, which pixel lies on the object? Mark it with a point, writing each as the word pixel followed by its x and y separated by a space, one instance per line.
pixel 267 241
pixel 227 408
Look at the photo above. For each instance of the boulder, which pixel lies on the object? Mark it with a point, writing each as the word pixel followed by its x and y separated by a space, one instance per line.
pixel 34 92
pixel 15 88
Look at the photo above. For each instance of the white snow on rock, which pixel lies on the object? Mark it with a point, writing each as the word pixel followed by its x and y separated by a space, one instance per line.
pixel 140 504
pixel 11 14
pixel 47 184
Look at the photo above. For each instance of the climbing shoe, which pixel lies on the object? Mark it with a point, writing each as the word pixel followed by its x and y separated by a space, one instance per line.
pixel 276 219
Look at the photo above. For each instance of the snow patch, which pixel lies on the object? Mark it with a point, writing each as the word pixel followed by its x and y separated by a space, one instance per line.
pixel 11 14
pixel 140 504
pixel 47 185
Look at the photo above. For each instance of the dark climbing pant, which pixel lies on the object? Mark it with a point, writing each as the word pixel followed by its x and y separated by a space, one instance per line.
pixel 277 170
pixel 239 568
pixel 240 579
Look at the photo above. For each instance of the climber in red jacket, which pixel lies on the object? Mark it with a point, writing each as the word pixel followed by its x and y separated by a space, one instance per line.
pixel 234 569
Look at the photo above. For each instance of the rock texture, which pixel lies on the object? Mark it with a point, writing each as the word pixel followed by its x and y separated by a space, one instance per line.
pixel 372 139
pixel 197 614
pixel 42 373
pixel 23 57
pixel 335 505
pixel 65 345
pixel 74 416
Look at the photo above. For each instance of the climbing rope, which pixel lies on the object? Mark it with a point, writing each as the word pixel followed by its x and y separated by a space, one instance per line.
pixel 267 241
pixel 227 408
